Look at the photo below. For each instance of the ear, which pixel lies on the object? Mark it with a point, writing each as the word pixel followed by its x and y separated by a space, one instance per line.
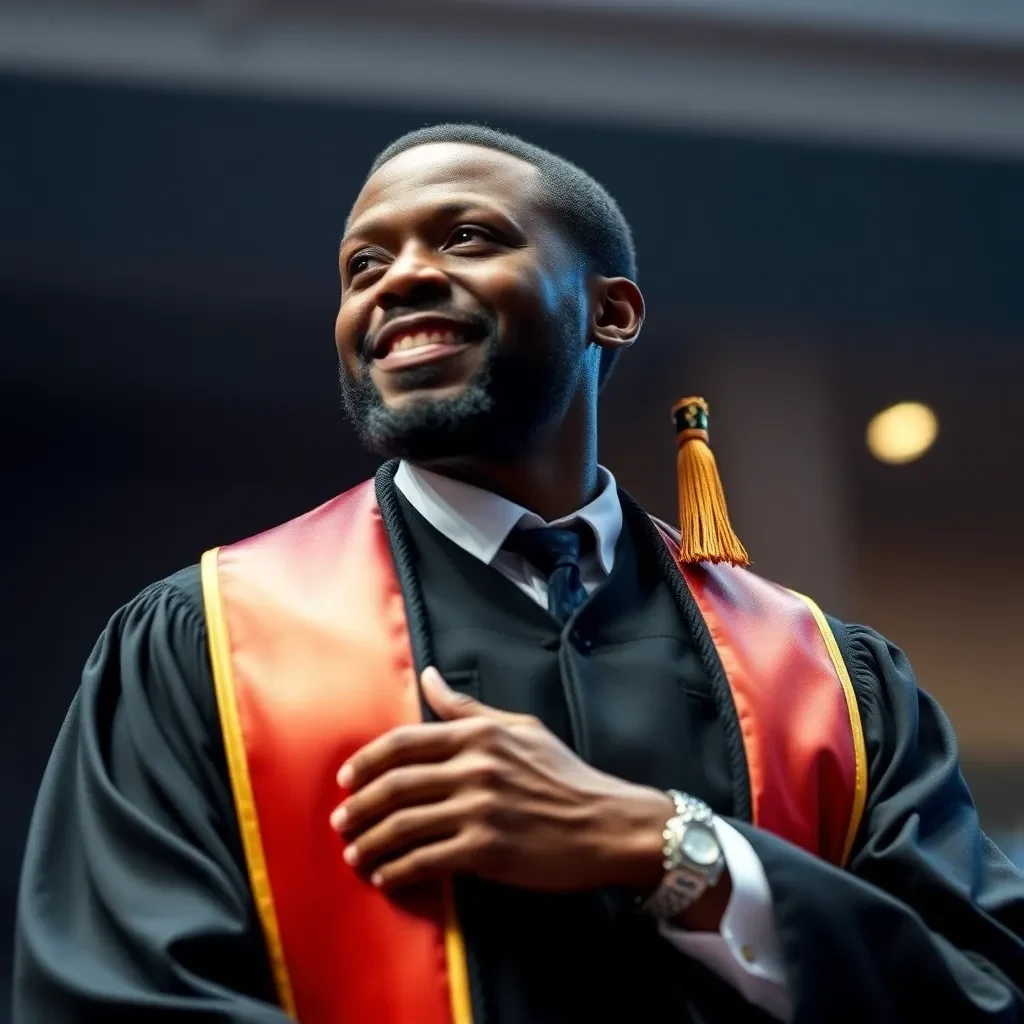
pixel 616 312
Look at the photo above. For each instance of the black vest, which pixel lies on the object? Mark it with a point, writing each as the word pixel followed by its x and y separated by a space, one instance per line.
pixel 623 685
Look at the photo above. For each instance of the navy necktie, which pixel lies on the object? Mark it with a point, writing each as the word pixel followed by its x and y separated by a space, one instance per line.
pixel 555 552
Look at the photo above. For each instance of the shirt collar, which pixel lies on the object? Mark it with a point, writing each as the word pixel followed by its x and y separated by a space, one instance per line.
pixel 479 521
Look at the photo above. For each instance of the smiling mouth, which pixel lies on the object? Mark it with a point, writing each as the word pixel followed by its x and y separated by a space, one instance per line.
pixel 422 343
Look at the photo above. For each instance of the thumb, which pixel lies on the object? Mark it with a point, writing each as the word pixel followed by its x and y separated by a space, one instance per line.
pixel 449 703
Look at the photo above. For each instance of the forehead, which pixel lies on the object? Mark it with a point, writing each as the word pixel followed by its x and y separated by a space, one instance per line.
pixel 431 174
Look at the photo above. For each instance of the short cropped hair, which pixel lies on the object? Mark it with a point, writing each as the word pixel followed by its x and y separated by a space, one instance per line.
pixel 583 208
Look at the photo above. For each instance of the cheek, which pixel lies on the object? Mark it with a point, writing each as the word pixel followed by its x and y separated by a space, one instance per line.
pixel 556 311
pixel 528 298
pixel 558 291
pixel 349 326
pixel 339 330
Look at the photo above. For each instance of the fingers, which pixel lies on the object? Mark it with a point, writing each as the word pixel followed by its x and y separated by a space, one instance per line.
pixel 428 742
pixel 407 744
pixel 399 833
pixel 449 704
pixel 426 863
pixel 394 790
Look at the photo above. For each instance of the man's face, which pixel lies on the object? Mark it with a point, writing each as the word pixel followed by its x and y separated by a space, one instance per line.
pixel 463 312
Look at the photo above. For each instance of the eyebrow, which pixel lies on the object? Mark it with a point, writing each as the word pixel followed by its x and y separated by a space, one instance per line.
pixel 367 227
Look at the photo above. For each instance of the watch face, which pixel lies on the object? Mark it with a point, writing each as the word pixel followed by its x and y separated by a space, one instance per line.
pixel 700 845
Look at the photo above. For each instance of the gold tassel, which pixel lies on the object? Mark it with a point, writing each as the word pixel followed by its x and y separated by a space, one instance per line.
pixel 706 535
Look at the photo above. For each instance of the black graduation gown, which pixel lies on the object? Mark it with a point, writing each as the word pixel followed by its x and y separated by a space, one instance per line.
pixel 135 904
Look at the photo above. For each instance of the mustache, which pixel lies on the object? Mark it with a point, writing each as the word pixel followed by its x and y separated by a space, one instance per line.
pixel 477 322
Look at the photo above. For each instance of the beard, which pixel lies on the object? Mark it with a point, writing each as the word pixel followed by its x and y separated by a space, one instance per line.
pixel 497 417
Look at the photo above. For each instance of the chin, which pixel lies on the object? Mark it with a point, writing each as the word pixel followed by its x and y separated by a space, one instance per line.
pixel 425 416
pixel 435 381
pixel 425 423
pixel 423 396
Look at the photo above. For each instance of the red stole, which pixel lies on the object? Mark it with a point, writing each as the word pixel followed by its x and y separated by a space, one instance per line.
pixel 312 659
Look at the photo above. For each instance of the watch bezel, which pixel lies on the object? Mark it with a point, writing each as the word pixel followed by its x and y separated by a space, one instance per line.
pixel 686 857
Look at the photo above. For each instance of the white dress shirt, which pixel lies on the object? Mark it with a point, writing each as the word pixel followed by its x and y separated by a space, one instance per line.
pixel 746 951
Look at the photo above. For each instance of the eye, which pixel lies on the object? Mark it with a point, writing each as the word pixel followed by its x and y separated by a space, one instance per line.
pixel 359 262
pixel 467 233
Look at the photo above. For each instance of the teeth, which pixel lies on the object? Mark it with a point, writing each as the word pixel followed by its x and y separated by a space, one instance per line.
pixel 442 337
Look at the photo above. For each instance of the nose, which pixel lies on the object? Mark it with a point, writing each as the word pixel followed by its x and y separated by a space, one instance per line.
pixel 414 279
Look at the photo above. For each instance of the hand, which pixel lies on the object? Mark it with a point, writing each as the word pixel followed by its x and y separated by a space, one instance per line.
pixel 495 794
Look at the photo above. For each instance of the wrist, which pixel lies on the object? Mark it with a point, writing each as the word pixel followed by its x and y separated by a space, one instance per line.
pixel 633 847
pixel 695 888
pixel 635 843
pixel 705 914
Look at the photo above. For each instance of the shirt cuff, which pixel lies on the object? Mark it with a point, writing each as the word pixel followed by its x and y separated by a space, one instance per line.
pixel 746 952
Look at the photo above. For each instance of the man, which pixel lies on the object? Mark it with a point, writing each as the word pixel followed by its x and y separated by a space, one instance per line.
pixel 479 740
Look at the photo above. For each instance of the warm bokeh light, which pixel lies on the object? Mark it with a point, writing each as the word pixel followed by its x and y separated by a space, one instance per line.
pixel 902 433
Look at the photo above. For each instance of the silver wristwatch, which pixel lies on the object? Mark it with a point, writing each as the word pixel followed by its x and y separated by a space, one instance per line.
pixel 693 857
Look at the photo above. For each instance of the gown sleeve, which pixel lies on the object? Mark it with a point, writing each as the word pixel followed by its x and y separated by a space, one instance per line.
pixel 134 901
pixel 927 921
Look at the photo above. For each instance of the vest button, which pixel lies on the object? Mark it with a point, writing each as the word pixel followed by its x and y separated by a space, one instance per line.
pixel 580 641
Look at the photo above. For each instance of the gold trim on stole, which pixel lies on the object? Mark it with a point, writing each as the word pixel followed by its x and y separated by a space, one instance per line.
pixel 860 757
pixel 241 783
pixel 455 954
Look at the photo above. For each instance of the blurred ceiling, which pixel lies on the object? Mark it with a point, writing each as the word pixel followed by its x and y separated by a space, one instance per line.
pixel 182 194
pixel 941 75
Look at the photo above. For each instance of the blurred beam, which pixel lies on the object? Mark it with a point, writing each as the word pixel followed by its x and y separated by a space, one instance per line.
pixel 982 20
pixel 951 79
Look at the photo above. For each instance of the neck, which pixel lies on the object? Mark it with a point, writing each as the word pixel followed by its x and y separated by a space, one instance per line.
pixel 556 478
